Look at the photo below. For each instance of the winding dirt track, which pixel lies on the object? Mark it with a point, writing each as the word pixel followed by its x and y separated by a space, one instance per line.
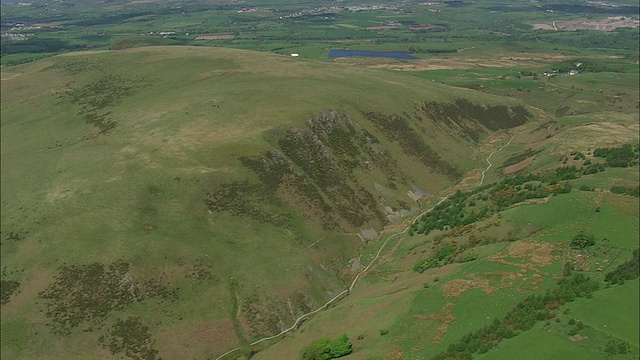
pixel 355 279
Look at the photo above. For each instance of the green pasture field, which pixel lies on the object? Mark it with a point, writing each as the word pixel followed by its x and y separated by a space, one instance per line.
pixel 610 314
pixel 539 343
pixel 563 214
pixel 613 311
pixel 416 329
pixel 611 177
pixel 348 26
pixel 619 226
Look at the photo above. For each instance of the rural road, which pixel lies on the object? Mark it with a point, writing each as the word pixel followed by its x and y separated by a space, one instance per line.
pixel 357 277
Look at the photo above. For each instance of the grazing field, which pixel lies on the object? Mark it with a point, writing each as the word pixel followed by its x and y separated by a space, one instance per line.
pixel 539 343
pixel 613 311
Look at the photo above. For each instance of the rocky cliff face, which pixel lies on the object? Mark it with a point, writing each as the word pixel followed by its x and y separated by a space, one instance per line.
pixel 336 172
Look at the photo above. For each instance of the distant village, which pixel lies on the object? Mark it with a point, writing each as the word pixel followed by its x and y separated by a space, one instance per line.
pixel 11 36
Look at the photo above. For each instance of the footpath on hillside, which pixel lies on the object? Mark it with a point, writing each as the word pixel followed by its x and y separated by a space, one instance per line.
pixel 376 257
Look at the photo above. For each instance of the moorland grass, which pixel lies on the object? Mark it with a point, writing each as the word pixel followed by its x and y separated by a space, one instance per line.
pixel 182 118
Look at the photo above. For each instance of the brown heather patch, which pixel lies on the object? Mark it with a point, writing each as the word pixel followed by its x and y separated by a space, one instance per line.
pixel 489 282
pixel 395 354
pixel 218 334
pixel 535 253
pixel 292 196
pixel 578 337
pixel 86 295
pixel 457 287
pixel 471 179
pixel 540 253
pixel 446 317
pixel 506 278
pixel 530 284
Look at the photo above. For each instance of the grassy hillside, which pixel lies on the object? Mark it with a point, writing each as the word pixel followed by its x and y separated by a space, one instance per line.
pixel 505 246
pixel 177 201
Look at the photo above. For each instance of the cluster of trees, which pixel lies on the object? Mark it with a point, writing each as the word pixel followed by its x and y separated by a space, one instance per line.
pixel 587 188
pixel 628 270
pixel 575 326
pixel 577 155
pixel 633 191
pixel 621 38
pixel 521 318
pixel 566 172
pixel 450 213
pixel 582 241
pixel 507 195
pixel 465 208
pixel 444 256
pixel 573 172
pixel 617 347
pixel 624 156
pixel 591 168
pixel 327 349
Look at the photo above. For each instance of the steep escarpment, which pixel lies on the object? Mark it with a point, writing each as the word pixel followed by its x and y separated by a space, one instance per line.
pixel 319 171
pixel 473 120
pixel 247 186
pixel 325 170
pixel 331 172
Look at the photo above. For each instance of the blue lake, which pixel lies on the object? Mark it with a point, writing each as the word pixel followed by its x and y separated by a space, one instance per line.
pixel 402 55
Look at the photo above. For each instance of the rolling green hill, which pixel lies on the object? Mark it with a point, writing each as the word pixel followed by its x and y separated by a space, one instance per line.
pixel 179 202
